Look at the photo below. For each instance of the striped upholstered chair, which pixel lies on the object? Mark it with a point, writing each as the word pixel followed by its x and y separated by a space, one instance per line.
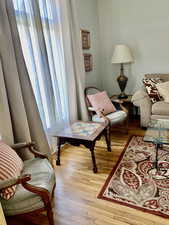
pixel 34 187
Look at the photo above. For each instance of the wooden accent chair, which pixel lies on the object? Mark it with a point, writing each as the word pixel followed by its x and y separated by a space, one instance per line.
pixel 113 119
pixel 35 186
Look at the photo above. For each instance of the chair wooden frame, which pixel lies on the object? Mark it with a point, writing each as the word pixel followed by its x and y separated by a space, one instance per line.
pixel 92 111
pixel 42 192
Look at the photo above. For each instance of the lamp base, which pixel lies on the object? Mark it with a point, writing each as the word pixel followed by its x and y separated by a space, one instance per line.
pixel 122 96
pixel 122 81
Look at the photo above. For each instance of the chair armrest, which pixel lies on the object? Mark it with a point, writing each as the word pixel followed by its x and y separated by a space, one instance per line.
pixel 18 180
pixel 91 109
pixel 32 148
pixel 101 115
pixel 8 183
pixel 122 107
pixel 23 181
pixel 44 193
pixel 20 145
pixel 117 101
pixel 120 102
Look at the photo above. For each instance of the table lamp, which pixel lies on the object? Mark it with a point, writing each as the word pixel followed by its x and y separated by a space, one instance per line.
pixel 122 55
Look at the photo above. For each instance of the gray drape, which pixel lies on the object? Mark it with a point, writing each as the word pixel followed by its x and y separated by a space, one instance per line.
pixel 19 116
pixel 74 62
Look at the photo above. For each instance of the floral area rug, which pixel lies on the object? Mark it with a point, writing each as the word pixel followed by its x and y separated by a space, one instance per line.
pixel 133 181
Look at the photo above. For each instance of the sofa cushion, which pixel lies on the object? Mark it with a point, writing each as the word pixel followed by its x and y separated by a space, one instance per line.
pixel 163 89
pixel 23 201
pixel 160 108
pixel 152 91
pixel 10 167
pixel 101 101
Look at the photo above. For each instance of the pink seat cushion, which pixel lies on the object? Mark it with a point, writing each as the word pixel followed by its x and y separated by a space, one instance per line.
pixel 10 167
pixel 101 101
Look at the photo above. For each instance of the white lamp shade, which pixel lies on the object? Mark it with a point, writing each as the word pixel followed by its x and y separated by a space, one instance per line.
pixel 122 54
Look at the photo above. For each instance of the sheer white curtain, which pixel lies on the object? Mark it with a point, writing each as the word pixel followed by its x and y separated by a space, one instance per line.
pixel 50 38
pixel 41 38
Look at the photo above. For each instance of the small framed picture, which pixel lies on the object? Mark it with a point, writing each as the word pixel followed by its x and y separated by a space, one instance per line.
pixel 88 62
pixel 85 39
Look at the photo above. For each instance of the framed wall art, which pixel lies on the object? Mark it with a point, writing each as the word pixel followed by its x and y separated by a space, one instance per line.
pixel 88 62
pixel 85 34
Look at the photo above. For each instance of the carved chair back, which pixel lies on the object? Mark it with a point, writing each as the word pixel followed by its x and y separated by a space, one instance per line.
pixel 90 91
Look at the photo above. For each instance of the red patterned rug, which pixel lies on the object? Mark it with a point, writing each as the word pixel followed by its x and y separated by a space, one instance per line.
pixel 133 182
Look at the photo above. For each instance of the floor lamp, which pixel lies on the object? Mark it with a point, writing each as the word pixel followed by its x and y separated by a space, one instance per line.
pixel 122 55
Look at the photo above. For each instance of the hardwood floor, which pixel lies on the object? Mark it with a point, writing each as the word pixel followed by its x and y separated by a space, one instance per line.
pixel 77 188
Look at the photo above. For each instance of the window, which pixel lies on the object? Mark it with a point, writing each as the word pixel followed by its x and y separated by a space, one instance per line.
pixel 41 40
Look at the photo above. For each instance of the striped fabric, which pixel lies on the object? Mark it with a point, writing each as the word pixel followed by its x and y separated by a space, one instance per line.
pixel 10 167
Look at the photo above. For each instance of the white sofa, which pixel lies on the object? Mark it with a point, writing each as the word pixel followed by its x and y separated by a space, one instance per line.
pixel 148 110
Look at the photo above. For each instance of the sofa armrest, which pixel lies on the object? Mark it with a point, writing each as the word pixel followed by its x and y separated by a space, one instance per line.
pixel 142 100
pixel 139 97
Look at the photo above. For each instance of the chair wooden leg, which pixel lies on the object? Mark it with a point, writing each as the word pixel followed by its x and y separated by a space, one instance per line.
pixel 47 202
pixel 50 214
pixel 127 124
pixel 58 155
pixel 108 138
pixel 109 134
pixel 93 157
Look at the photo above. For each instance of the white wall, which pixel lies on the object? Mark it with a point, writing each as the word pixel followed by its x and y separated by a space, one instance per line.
pixel 142 25
pixel 88 19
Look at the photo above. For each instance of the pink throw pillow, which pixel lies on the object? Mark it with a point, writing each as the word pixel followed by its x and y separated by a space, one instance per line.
pixel 101 101
pixel 10 167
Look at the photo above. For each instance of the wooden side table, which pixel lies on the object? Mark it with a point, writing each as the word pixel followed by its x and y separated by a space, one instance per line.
pixel 133 110
pixel 85 133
